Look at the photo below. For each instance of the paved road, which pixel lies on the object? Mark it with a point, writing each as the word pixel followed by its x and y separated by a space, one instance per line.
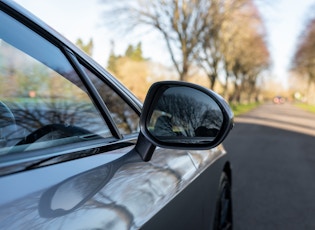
pixel 273 156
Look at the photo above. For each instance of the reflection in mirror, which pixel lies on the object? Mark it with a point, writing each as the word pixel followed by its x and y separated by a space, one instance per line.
pixel 187 115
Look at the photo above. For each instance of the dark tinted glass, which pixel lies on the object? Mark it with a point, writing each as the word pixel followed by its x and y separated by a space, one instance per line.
pixel 185 115
pixel 43 103
pixel 126 119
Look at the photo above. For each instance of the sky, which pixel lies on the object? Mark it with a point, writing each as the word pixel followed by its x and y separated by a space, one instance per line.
pixel 284 20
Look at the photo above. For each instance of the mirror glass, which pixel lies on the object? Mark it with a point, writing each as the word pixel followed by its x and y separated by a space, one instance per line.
pixel 185 115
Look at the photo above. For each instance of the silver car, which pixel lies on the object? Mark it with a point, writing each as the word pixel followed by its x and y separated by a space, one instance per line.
pixel 79 151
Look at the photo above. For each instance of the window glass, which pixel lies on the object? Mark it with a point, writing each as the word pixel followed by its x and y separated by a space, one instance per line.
pixel 43 102
pixel 126 119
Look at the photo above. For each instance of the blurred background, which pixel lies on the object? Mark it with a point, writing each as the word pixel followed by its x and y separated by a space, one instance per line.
pixel 249 51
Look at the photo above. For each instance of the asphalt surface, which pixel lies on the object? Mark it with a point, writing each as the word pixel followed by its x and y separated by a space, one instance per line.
pixel 272 151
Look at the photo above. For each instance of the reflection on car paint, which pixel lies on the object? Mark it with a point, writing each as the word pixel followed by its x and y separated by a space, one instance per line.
pixel 122 194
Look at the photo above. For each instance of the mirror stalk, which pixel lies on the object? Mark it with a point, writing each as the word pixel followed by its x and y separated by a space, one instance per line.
pixel 144 147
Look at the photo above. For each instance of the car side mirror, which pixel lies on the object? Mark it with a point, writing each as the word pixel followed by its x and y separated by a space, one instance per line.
pixel 181 115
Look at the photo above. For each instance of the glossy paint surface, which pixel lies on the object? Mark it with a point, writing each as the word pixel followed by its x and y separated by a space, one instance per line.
pixel 122 194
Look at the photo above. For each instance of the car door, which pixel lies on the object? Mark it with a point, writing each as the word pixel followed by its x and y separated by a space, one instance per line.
pixel 67 137
pixel 52 120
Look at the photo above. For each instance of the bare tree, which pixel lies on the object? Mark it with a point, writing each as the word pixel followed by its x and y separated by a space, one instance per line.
pixel 216 35
pixel 210 54
pixel 303 62
pixel 245 52
pixel 181 23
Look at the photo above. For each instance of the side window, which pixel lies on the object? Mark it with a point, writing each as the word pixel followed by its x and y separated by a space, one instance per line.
pixel 126 119
pixel 43 102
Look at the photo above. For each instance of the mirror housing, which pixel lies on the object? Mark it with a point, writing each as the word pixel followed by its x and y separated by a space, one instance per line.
pixel 181 115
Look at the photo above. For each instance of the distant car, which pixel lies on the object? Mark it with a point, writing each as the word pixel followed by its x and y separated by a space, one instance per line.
pixel 79 151
pixel 278 100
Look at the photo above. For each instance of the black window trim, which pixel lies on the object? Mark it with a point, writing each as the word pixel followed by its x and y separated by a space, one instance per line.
pixel 93 93
pixel 111 81
pixel 38 158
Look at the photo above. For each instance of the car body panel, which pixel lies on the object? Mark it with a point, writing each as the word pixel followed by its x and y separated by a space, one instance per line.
pixel 106 185
pixel 135 193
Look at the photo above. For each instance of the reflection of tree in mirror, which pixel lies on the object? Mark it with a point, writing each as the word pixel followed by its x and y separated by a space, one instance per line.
pixel 191 117
pixel 163 126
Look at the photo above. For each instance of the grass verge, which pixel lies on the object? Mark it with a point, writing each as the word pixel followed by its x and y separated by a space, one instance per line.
pixel 310 108
pixel 243 108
